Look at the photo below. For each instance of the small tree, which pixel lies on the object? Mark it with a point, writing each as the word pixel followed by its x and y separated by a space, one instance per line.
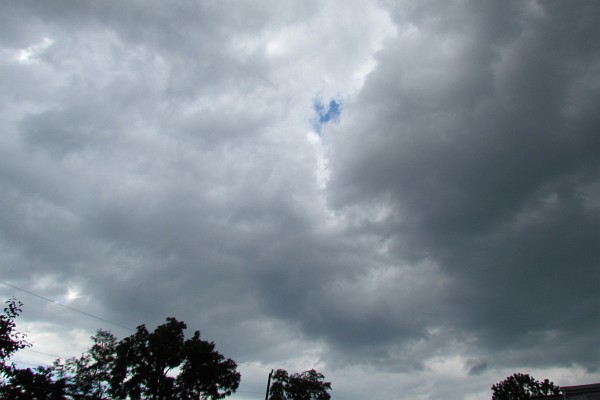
pixel 308 385
pixel 205 373
pixel 38 384
pixel 145 366
pixel 88 377
pixel 522 386
pixel 11 340
pixel 156 365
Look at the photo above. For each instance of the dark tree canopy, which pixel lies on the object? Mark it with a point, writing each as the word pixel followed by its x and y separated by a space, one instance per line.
pixel 145 363
pixel 22 383
pixel 522 386
pixel 144 360
pixel 205 373
pixel 38 384
pixel 88 377
pixel 156 365
pixel 11 340
pixel 308 385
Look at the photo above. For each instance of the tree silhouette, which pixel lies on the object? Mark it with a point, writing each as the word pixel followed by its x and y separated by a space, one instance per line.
pixel 156 365
pixel 38 384
pixel 308 385
pixel 21 384
pixel 88 377
pixel 522 386
pixel 145 366
pixel 205 373
pixel 11 340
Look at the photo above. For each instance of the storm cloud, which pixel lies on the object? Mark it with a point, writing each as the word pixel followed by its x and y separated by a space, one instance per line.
pixel 403 195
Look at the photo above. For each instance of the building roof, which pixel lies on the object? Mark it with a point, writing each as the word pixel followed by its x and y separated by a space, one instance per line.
pixel 591 391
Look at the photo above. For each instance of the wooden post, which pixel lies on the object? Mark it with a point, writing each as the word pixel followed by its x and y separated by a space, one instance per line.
pixel 268 385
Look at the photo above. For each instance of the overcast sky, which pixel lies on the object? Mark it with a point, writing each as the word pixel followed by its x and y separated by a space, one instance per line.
pixel 404 195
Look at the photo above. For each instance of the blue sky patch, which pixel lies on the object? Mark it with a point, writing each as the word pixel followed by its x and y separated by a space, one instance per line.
pixel 325 114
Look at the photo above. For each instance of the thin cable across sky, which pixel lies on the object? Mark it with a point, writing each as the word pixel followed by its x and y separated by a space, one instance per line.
pixel 68 307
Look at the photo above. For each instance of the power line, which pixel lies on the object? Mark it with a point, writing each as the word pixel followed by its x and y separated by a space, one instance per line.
pixel 256 365
pixel 41 352
pixel 109 322
pixel 67 307
pixel 26 363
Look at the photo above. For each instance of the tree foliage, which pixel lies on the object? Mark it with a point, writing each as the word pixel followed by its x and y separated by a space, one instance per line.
pixel 88 377
pixel 157 365
pixel 146 364
pixel 308 385
pixel 205 373
pixel 28 384
pixel 21 384
pixel 522 386
pixel 11 340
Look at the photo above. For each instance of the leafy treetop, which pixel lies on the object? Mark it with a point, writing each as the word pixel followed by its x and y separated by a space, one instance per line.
pixel 11 340
pixel 157 365
pixel 308 385
pixel 522 386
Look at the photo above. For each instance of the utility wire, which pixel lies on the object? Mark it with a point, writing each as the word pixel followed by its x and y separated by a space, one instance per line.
pixel 256 365
pixel 109 322
pixel 26 363
pixel 41 352
pixel 67 307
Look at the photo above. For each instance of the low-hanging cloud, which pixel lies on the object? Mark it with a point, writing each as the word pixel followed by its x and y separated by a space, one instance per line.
pixel 161 160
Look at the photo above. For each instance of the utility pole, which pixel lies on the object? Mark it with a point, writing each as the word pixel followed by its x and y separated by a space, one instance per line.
pixel 268 385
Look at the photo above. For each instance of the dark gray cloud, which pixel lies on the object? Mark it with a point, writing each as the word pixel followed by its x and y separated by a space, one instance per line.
pixel 158 160
pixel 487 161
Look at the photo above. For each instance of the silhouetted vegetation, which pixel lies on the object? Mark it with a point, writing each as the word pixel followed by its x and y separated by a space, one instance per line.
pixel 308 385
pixel 163 364
pixel 38 384
pixel 18 383
pixel 522 386
pixel 89 376
pixel 156 365
pixel 11 341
